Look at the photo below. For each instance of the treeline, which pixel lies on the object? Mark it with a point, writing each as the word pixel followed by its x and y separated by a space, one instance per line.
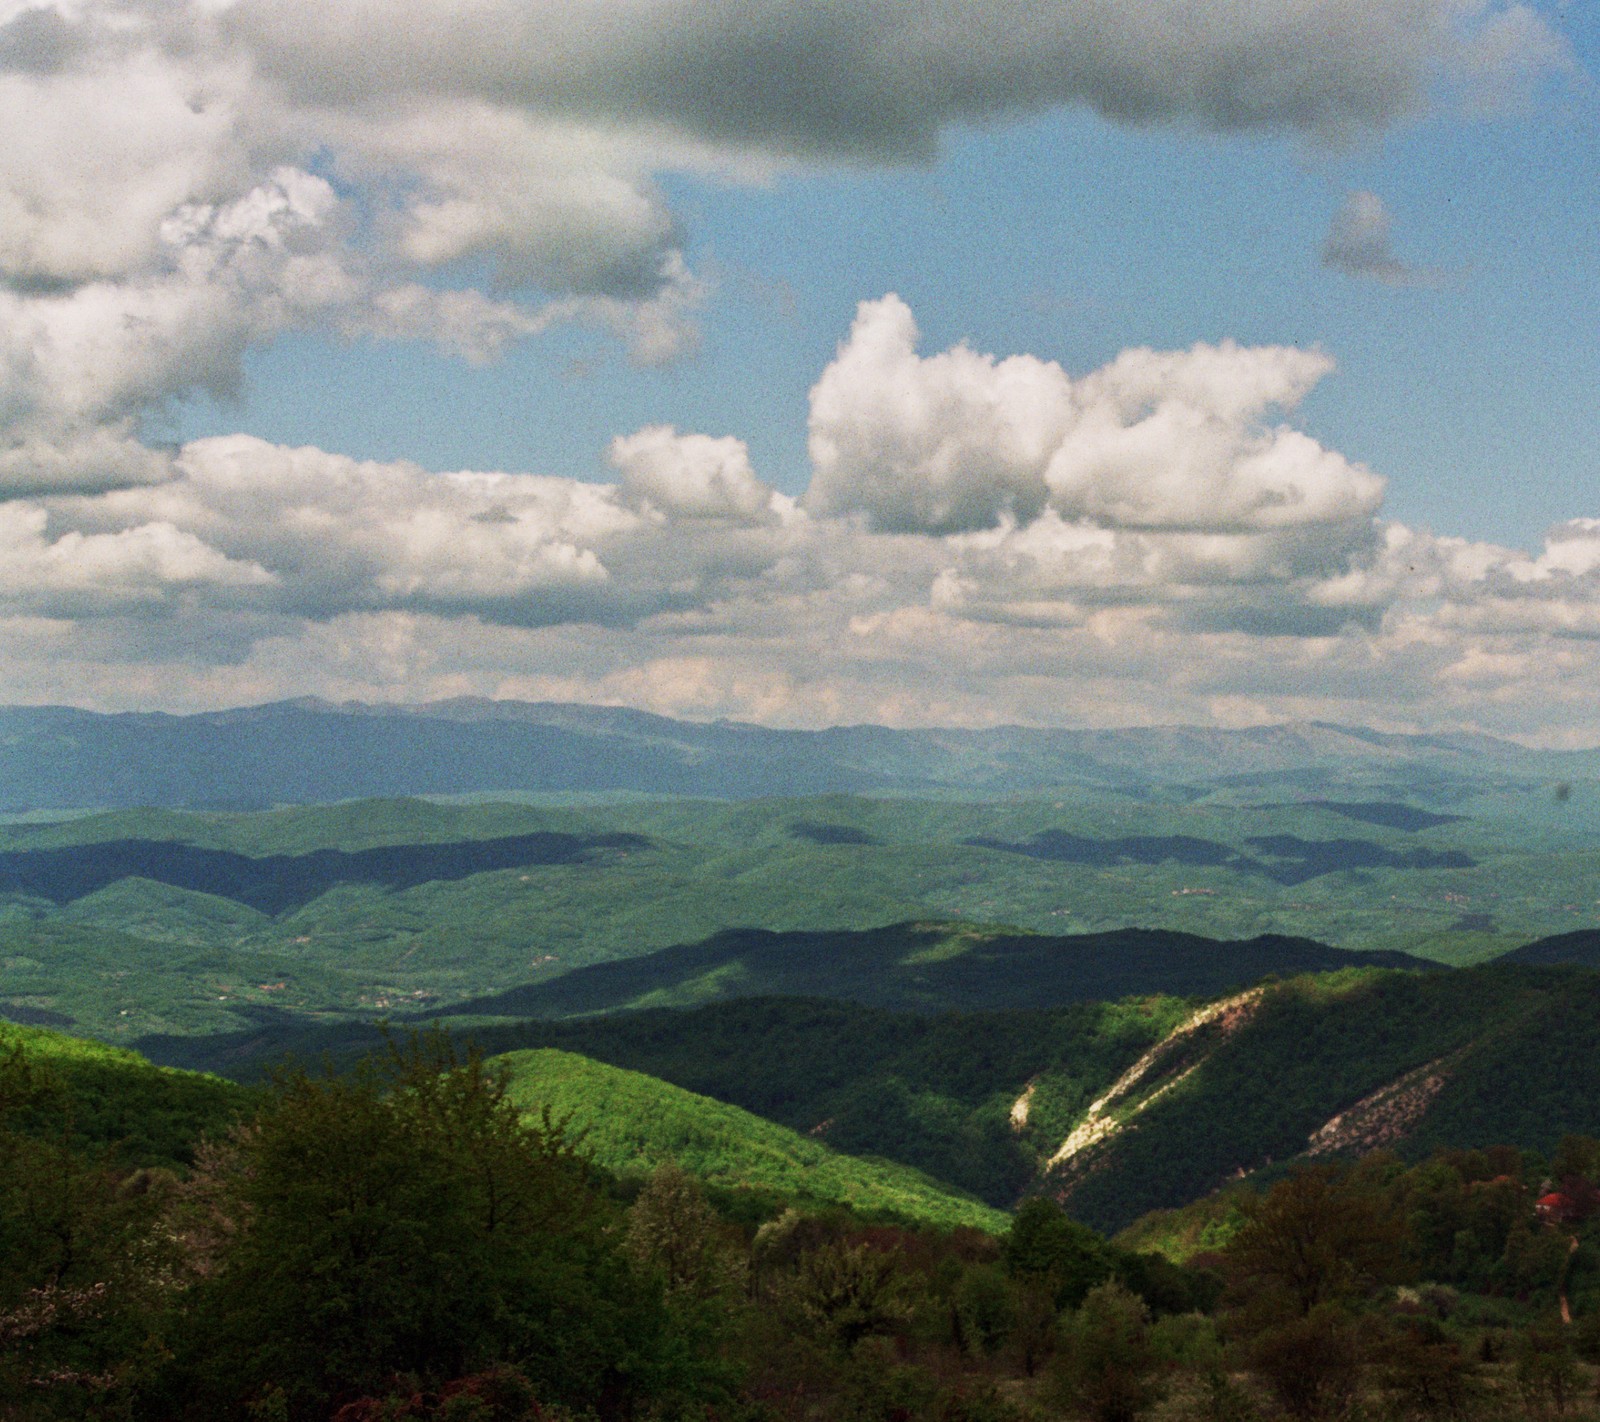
pixel 401 1243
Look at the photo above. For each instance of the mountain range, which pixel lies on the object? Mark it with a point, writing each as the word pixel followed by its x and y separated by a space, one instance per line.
pixel 307 751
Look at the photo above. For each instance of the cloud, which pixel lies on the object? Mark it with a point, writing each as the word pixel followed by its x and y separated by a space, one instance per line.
pixel 77 574
pixel 80 367
pixel 672 475
pixel 959 442
pixel 947 444
pixel 184 181
pixel 866 79
pixel 688 524
pixel 1359 244
pixel 984 539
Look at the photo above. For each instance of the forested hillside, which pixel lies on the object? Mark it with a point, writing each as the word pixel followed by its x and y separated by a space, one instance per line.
pixel 1113 1108
pixel 631 1125
pixel 427 1238
pixel 141 922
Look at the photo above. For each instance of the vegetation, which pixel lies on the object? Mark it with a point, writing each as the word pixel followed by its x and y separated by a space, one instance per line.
pixel 102 1097
pixel 356 910
pixel 406 1241
pixel 926 966
pixel 630 1125
pixel 987 1103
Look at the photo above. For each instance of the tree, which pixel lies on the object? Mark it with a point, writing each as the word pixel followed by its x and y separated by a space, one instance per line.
pixel 406 1220
pixel 1107 1368
pixel 671 1228
pixel 1315 1237
pixel 1311 1362
pixel 1427 1373
pixel 843 1292
pixel 1045 1245
pixel 83 1266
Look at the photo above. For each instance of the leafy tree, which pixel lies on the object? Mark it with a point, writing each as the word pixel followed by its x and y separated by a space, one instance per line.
pixel 407 1220
pixel 845 1292
pixel 1311 1362
pixel 1319 1235
pixel 1427 1373
pixel 1107 1369
pixel 671 1228
pixel 1547 1373
pixel 1045 1245
pixel 985 1310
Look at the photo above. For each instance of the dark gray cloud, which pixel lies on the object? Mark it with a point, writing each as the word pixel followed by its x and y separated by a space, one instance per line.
pixel 882 79
pixel 39 42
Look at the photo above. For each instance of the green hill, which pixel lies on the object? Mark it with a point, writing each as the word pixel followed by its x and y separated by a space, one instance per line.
pixel 632 1123
pixel 362 907
pixel 107 1096
pixel 1580 950
pixel 933 1091
pixel 928 967
pixel 1339 1065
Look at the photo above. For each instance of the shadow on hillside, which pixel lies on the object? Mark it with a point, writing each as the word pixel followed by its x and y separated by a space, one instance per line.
pixel 275 883
pixel 817 832
pixel 1284 858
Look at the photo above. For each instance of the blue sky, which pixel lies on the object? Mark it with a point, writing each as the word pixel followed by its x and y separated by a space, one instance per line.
pixel 1072 238
pixel 632 266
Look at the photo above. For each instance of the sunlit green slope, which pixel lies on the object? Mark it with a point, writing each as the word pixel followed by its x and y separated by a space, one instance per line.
pixel 109 1097
pixel 632 1123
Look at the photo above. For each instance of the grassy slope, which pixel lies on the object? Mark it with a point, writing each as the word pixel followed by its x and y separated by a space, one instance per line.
pixel 631 1123
pixel 152 1115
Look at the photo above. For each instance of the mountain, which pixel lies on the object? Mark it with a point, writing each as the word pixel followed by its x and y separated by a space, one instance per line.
pixel 1119 1109
pixel 629 1124
pixel 1315 1068
pixel 1114 1108
pixel 927 967
pixel 1580 949
pixel 313 751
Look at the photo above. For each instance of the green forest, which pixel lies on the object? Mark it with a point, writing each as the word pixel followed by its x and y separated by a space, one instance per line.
pixel 1220 1105
pixel 144 922
pixel 436 1235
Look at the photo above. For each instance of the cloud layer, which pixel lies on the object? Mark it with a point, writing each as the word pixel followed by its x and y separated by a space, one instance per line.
pixel 983 539
pixel 184 179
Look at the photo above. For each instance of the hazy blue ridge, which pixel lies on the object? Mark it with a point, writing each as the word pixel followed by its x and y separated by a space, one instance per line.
pixel 308 751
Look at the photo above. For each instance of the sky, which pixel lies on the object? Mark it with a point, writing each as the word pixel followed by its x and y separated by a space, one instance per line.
pixel 922 362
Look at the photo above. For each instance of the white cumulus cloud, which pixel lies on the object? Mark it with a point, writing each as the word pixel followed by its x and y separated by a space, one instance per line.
pixel 958 441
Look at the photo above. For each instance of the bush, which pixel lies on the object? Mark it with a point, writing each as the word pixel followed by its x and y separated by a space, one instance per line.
pixel 1107 1368
pixel 1312 1363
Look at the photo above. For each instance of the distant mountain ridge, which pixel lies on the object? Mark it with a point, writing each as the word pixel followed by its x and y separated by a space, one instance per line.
pixel 929 967
pixel 308 750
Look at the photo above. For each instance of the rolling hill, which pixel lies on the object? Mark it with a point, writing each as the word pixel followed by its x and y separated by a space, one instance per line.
pixel 112 1097
pixel 153 921
pixel 927 967
pixel 1121 1109
pixel 630 1123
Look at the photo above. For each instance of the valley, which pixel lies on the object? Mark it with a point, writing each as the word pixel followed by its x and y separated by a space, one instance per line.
pixel 1121 1005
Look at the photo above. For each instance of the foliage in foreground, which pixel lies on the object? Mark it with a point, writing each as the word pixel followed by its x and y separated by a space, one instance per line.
pixel 406 1243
